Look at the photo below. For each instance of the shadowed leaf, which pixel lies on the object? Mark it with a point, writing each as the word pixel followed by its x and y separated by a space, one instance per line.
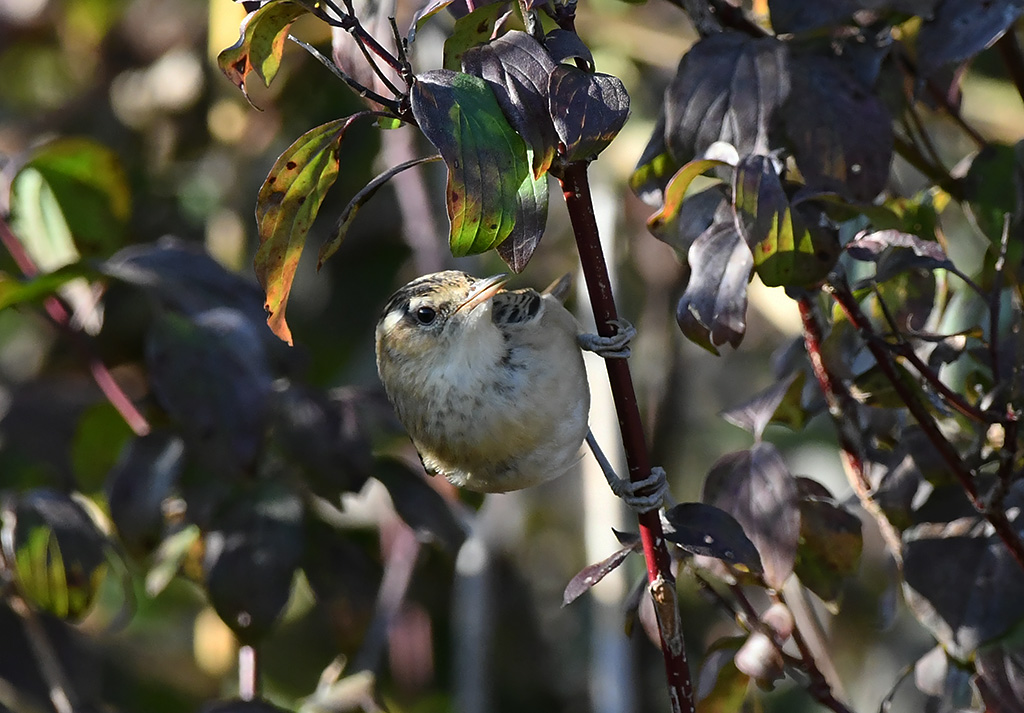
pixel 594 573
pixel 674 194
pixel 1000 678
pixel 14 291
pixel 707 530
pixel 789 16
pixel 564 45
pixel 961 582
pixel 961 29
pixel 712 310
pixel 871 246
pixel 787 249
pixel 654 168
pixel 422 507
pixel 531 220
pixel 756 413
pixel 251 555
pixel 286 207
pixel 261 44
pixel 211 375
pixel 696 213
pixel 727 88
pixel 830 543
pixel 755 487
pixel 588 110
pixel 423 14
pixel 832 151
pixel 721 687
pixel 487 161
pixel 517 69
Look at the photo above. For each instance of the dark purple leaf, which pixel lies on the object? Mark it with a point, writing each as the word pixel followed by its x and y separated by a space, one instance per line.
pixel 830 543
pixel 961 582
pixel 251 555
pixel 210 373
pixel 790 16
pixel 422 507
pixel 756 413
pixel 755 487
pixel 728 88
pixel 789 249
pixel 1000 678
pixel 709 531
pixel 588 110
pixel 144 477
pixel 564 45
pixel 342 575
pixel 55 552
pixel 517 68
pixel 961 29
pixel 487 161
pixel 323 435
pixel 239 706
pixel 833 152
pixel 713 309
pixel 695 215
pixel 592 574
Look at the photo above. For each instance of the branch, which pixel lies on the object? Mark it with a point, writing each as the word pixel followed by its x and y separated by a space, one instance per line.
pixel 995 516
pixel 364 92
pixel 61 317
pixel 576 190
pixel 840 408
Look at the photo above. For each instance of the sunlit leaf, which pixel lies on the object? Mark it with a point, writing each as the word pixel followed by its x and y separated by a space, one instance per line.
pixel 261 43
pixel 517 68
pixel 14 291
pixel 531 221
pixel 286 207
pixel 486 159
pixel 654 168
pixel 788 250
pixel 588 110
pixel 675 191
pixel 469 31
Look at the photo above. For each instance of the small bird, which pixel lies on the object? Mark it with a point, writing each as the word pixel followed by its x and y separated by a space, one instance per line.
pixel 490 384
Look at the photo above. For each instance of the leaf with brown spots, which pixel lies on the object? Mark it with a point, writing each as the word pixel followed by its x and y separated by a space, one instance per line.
pixel 261 44
pixel 286 206
pixel 487 160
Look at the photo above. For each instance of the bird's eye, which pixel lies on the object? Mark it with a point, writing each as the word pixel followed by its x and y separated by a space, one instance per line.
pixel 426 315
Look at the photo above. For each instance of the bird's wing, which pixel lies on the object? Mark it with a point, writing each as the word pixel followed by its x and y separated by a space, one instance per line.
pixel 516 306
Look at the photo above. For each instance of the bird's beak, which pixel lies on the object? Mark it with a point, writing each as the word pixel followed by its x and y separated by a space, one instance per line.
pixel 482 291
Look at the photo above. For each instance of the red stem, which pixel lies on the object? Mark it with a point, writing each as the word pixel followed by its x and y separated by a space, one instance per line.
pixel 995 515
pixel 576 189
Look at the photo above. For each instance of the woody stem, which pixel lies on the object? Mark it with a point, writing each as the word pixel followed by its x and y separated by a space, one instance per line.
pixel 576 190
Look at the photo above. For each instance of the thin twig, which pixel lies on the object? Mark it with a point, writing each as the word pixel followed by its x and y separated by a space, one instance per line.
pixel 390 104
pixel 995 516
pixel 62 318
pixel 576 190
pixel 840 408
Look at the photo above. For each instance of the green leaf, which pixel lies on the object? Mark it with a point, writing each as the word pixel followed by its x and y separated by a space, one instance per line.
pixel 286 206
pixel 470 30
pixel 14 291
pixel 88 183
pixel 830 543
pixel 531 219
pixel 788 249
pixel 487 161
pixel 722 687
pixel 676 189
pixel 261 43
pixel 39 222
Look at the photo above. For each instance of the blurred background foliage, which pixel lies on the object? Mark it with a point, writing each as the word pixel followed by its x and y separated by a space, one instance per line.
pixel 173 149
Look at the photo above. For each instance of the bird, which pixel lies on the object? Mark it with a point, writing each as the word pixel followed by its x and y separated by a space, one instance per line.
pixel 490 383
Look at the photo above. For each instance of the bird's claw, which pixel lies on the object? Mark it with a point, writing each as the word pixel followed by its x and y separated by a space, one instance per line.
pixel 614 347
pixel 642 495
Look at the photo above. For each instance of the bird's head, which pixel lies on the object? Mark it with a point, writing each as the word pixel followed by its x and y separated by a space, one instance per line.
pixel 422 319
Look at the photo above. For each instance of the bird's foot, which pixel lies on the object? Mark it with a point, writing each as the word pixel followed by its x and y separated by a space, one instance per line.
pixel 614 347
pixel 641 495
